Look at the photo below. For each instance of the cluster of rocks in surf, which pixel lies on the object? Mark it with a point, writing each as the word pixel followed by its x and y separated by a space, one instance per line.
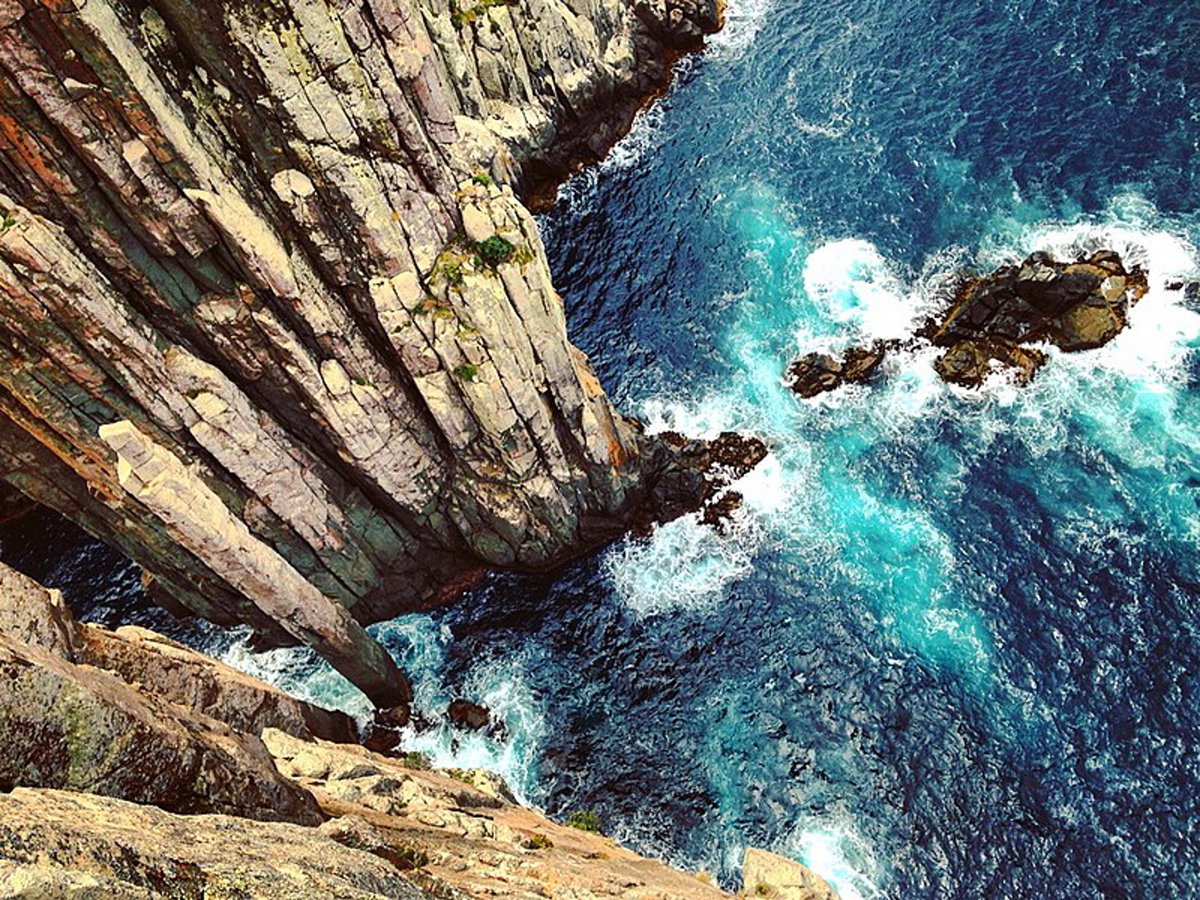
pixel 995 322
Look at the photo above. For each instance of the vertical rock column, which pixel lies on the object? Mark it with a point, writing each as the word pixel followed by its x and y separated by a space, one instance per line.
pixel 197 518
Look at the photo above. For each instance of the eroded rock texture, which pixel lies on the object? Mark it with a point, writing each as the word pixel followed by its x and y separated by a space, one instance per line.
pixel 279 242
pixel 233 794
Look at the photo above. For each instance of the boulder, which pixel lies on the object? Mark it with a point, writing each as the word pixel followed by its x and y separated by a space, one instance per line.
pixel 1075 306
pixel 817 373
pixel 969 363
pixel 777 878
pixel 468 715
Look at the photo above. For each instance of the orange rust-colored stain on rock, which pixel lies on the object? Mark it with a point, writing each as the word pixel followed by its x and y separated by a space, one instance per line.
pixel 616 453
pixel 27 148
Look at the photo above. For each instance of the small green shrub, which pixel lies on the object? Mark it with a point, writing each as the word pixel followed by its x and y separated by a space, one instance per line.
pixel 467 372
pixel 482 178
pixel 494 251
pixel 538 842
pixel 460 17
pixel 453 273
pixel 584 820
pixel 415 760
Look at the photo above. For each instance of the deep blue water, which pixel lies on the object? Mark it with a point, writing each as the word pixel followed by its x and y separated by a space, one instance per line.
pixel 951 649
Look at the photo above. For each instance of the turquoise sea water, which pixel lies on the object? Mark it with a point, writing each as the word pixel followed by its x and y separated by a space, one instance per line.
pixel 950 649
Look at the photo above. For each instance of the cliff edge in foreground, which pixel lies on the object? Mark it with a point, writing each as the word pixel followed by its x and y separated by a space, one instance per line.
pixel 272 319
pixel 132 767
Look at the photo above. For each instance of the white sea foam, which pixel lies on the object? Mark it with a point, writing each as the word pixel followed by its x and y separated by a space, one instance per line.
pixel 851 285
pixel 681 565
pixel 831 846
pixel 299 672
pixel 420 646
pixel 743 21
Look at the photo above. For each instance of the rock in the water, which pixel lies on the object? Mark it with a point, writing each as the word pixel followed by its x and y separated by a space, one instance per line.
pixel 817 373
pixel 1075 306
pixel 698 471
pixel 767 875
pixel 994 321
pixel 969 363
pixel 468 715
pixel 383 734
pixel 720 511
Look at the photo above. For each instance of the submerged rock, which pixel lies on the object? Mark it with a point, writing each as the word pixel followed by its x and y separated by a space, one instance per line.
pixel 994 321
pixel 720 511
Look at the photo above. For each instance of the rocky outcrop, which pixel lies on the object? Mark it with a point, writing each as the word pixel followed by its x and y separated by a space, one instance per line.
pixel 767 875
pixel 467 833
pixel 269 813
pixel 78 728
pixel 280 242
pixel 817 373
pixel 31 614
pixel 201 683
pixel 994 321
pixel 1074 306
pixel 61 844
pixel 133 715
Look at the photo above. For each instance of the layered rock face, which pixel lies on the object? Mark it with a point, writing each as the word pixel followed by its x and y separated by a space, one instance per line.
pixel 994 321
pixel 272 319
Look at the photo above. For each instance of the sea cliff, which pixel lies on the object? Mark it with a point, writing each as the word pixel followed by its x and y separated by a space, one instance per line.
pixel 274 320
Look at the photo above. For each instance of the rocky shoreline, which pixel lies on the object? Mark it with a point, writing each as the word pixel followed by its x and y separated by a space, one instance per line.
pixel 274 320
